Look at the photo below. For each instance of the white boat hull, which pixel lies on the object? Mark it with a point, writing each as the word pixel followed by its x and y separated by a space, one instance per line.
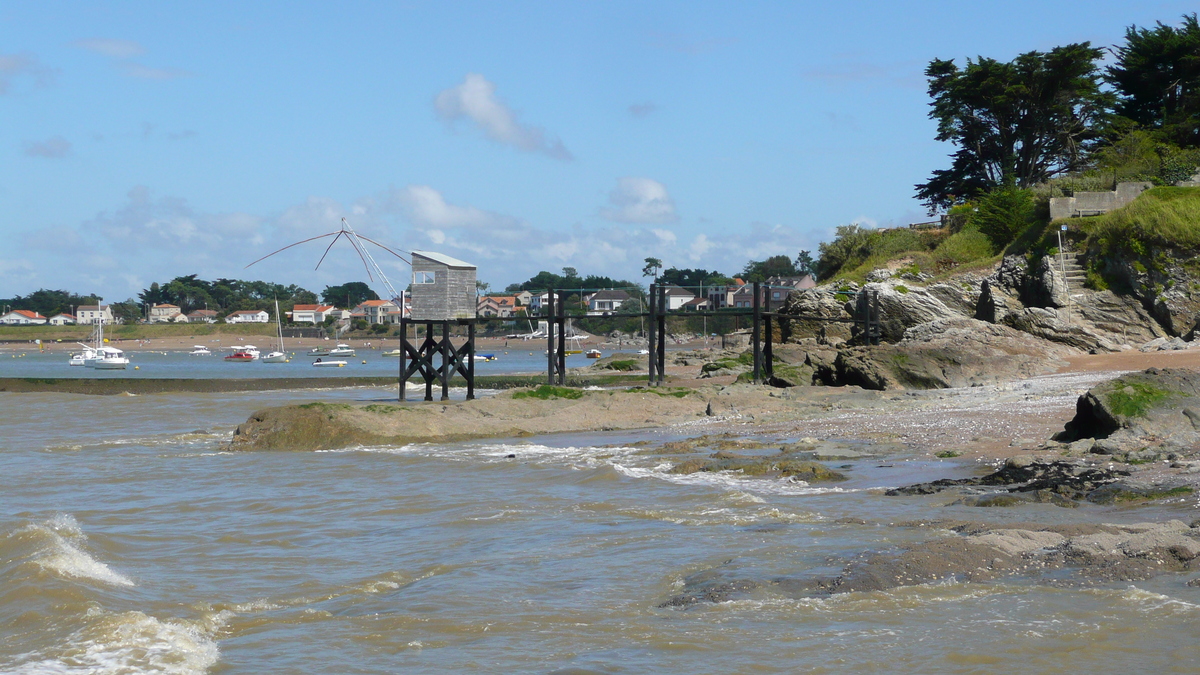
pixel 110 364
pixel 329 364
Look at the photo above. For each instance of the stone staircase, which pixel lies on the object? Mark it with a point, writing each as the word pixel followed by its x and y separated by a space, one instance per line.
pixel 1073 272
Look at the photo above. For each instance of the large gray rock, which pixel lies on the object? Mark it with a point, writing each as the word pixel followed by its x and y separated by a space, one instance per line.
pixel 1121 317
pixel 1157 409
pixel 1048 325
pixel 1164 281
pixel 813 307
pixel 901 307
pixel 952 352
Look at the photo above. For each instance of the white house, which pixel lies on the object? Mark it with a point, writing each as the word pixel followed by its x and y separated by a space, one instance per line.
pixel 164 313
pixel 248 316
pixel 378 311
pixel 62 319
pixel 23 317
pixel 677 297
pixel 91 314
pixel 603 302
pixel 313 314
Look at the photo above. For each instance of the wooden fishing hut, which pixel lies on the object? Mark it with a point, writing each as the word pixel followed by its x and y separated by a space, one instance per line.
pixel 443 293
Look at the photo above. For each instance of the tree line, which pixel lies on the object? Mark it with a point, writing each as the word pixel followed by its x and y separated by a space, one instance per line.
pixel 190 293
pixel 1021 123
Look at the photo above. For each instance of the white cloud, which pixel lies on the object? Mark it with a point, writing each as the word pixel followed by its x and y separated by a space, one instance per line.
pixel 169 223
pixel 640 200
pixel 123 50
pixel 475 99
pixel 13 66
pixel 53 147
pixel 427 209
pixel 147 73
pixel 116 49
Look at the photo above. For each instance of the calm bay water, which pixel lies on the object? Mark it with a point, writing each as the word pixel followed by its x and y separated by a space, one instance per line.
pixel 130 541
pixel 368 363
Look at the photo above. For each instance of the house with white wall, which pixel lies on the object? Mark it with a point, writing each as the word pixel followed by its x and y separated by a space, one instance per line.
pixel 248 316
pixel 165 313
pixel 93 314
pixel 23 317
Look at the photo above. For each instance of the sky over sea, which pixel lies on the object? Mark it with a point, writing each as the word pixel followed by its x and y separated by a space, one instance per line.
pixel 140 141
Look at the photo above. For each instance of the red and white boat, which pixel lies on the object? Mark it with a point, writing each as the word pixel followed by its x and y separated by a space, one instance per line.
pixel 242 354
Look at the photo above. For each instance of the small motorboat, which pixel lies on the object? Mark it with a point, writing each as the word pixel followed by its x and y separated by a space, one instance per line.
pixel 319 351
pixel 319 363
pixel 342 350
pixel 244 354
pixel 275 357
pixel 593 354
pixel 393 352
pixel 200 350
pixel 484 357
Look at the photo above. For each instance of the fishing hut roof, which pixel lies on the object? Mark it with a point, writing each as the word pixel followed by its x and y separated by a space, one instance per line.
pixel 444 259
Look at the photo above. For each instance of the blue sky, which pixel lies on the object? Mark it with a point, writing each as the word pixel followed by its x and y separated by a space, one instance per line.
pixel 142 141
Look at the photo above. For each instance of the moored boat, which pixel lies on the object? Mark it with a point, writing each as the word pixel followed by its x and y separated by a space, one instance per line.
pixel 593 353
pixel 319 363
pixel 279 355
pixel 243 354
pixel 342 350
pixel 200 350
pixel 110 358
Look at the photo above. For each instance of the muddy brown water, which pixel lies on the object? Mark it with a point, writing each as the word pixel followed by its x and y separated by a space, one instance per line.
pixel 131 541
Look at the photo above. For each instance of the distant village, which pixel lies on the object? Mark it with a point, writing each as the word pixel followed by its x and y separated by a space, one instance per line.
pixel 774 293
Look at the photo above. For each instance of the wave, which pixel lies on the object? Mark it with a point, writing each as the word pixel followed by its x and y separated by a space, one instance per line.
pixel 126 642
pixel 730 480
pixel 57 546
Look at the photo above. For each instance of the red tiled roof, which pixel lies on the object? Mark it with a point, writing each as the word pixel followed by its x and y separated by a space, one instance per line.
pixel 28 313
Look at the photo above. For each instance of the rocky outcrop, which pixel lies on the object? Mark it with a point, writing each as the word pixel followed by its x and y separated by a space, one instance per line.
pixel 1054 482
pixel 902 307
pixel 1048 325
pixel 1140 415
pixel 812 309
pixel 1164 281
pixel 1061 555
pixel 955 352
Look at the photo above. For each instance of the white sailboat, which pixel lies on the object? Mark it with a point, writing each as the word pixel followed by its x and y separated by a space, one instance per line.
pixel 277 356
pixel 106 358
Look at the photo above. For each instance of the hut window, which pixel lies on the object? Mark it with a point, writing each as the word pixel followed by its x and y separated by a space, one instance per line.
pixel 423 277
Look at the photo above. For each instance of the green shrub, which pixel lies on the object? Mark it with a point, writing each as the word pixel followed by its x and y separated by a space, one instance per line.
pixel 622 365
pixel 1003 214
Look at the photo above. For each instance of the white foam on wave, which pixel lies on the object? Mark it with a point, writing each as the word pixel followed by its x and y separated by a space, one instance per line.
pixel 729 480
pixel 61 552
pixel 131 642
pixel 1149 601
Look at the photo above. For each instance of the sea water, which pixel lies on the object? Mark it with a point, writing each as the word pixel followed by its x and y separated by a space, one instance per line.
pixel 132 541
pixel 523 357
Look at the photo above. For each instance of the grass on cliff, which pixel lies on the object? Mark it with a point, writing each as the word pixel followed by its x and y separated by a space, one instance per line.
pixel 1161 216
pixel 855 253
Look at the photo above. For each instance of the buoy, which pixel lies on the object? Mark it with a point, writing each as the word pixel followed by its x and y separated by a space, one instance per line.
pixel 364 363
pixel 137 367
